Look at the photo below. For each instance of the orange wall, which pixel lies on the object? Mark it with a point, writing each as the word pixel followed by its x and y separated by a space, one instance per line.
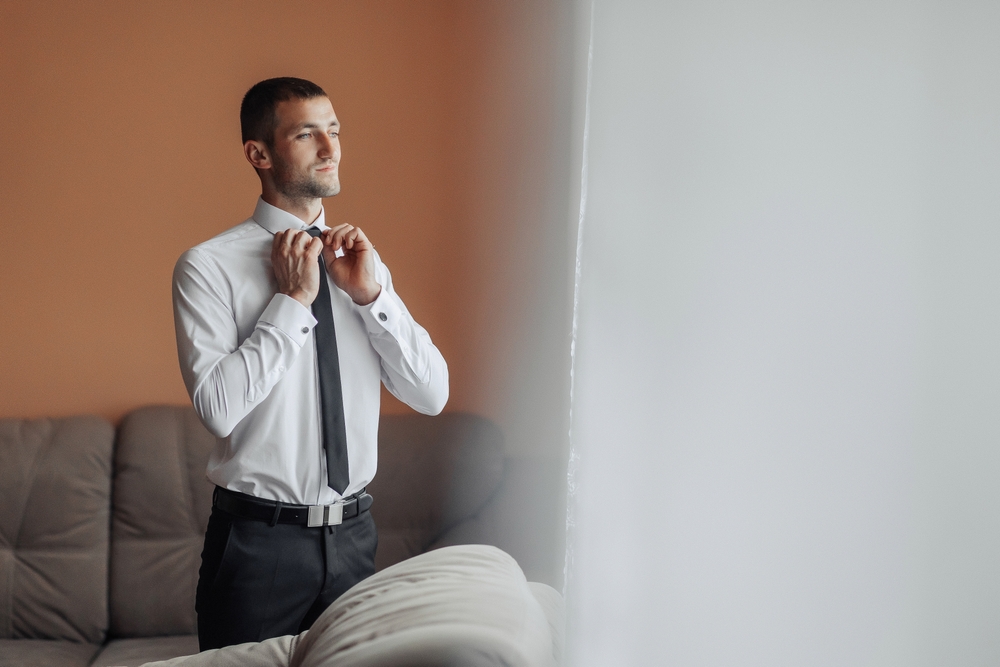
pixel 119 125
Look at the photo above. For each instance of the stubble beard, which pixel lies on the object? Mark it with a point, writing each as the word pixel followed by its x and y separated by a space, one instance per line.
pixel 301 187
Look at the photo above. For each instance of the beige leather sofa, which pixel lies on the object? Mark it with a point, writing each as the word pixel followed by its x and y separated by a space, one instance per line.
pixel 101 531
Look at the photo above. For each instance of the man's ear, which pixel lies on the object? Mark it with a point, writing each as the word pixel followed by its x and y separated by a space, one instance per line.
pixel 257 154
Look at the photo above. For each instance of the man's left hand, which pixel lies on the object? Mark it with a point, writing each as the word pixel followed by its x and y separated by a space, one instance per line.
pixel 354 272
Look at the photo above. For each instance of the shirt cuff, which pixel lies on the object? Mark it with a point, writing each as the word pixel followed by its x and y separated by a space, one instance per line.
pixel 383 313
pixel 290 317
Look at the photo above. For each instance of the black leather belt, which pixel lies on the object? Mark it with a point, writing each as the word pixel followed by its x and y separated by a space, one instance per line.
pixel 273 512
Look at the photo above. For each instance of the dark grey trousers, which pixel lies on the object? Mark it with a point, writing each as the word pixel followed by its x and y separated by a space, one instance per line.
pixel 259 581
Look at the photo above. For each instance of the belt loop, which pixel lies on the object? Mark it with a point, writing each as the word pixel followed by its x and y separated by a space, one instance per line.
pixel 215 497
pixel 277 512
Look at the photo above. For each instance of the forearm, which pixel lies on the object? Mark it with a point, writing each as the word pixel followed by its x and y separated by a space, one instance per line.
pixel 226 377
pixel 413 369
pixel 428 396
pixel 225 392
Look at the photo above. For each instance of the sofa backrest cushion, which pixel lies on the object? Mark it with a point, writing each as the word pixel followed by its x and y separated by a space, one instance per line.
pixel 55 483
pixel 433 472
pixel 162 500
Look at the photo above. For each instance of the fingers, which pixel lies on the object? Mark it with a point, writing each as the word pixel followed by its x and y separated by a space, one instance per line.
pixel 294 256
pixel 334 237
pixel 347 237
pixel 314 247
pixel 285 241
pixel 297 242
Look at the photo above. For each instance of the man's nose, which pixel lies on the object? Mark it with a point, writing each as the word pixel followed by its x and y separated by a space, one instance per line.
pixel 326 147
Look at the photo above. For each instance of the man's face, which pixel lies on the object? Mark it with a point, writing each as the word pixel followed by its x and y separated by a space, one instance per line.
pixel 306 150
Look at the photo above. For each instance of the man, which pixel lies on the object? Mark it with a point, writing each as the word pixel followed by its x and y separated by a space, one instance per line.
pixel 285 328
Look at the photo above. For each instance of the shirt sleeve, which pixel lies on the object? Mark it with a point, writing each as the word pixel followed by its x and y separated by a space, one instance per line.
pixel 413 369
pixel 227 379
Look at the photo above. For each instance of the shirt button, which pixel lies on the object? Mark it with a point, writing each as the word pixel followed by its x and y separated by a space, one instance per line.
pixel 305 330
pixel 382 317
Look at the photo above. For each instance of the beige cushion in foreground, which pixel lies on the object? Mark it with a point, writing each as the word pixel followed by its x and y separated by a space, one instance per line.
pixel 464 605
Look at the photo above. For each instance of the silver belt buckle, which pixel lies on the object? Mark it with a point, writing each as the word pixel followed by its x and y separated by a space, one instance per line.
pixel 325 515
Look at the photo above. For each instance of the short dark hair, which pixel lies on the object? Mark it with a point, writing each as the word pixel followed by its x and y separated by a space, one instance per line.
pixel 258 113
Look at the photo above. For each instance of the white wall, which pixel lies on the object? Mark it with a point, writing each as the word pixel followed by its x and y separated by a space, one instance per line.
pixel 785 419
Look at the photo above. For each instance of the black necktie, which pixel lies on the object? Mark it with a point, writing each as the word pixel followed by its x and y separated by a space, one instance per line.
pixel 331 396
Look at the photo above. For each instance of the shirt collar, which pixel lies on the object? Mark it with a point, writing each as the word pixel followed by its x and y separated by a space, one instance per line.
pixel 275 220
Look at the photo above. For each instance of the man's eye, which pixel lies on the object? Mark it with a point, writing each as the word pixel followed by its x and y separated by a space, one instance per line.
pixel 335 134
pixel 304 135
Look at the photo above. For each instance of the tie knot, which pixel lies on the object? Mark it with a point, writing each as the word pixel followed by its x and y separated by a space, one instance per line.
pixel 314 231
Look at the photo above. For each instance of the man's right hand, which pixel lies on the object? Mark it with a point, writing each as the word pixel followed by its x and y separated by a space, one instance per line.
pixel 295 258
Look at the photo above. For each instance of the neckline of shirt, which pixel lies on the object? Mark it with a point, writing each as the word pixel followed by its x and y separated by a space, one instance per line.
pixel 275 220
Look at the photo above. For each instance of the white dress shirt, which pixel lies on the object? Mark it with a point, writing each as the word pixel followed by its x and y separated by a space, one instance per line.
pixel 248 358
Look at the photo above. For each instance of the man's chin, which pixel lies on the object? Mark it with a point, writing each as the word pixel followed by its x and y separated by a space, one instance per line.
pixel 329 188
pixel 311 190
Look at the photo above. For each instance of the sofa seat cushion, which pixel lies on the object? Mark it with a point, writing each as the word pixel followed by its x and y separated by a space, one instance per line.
pixel 45 653
pixel 135 652
pixel 270 653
